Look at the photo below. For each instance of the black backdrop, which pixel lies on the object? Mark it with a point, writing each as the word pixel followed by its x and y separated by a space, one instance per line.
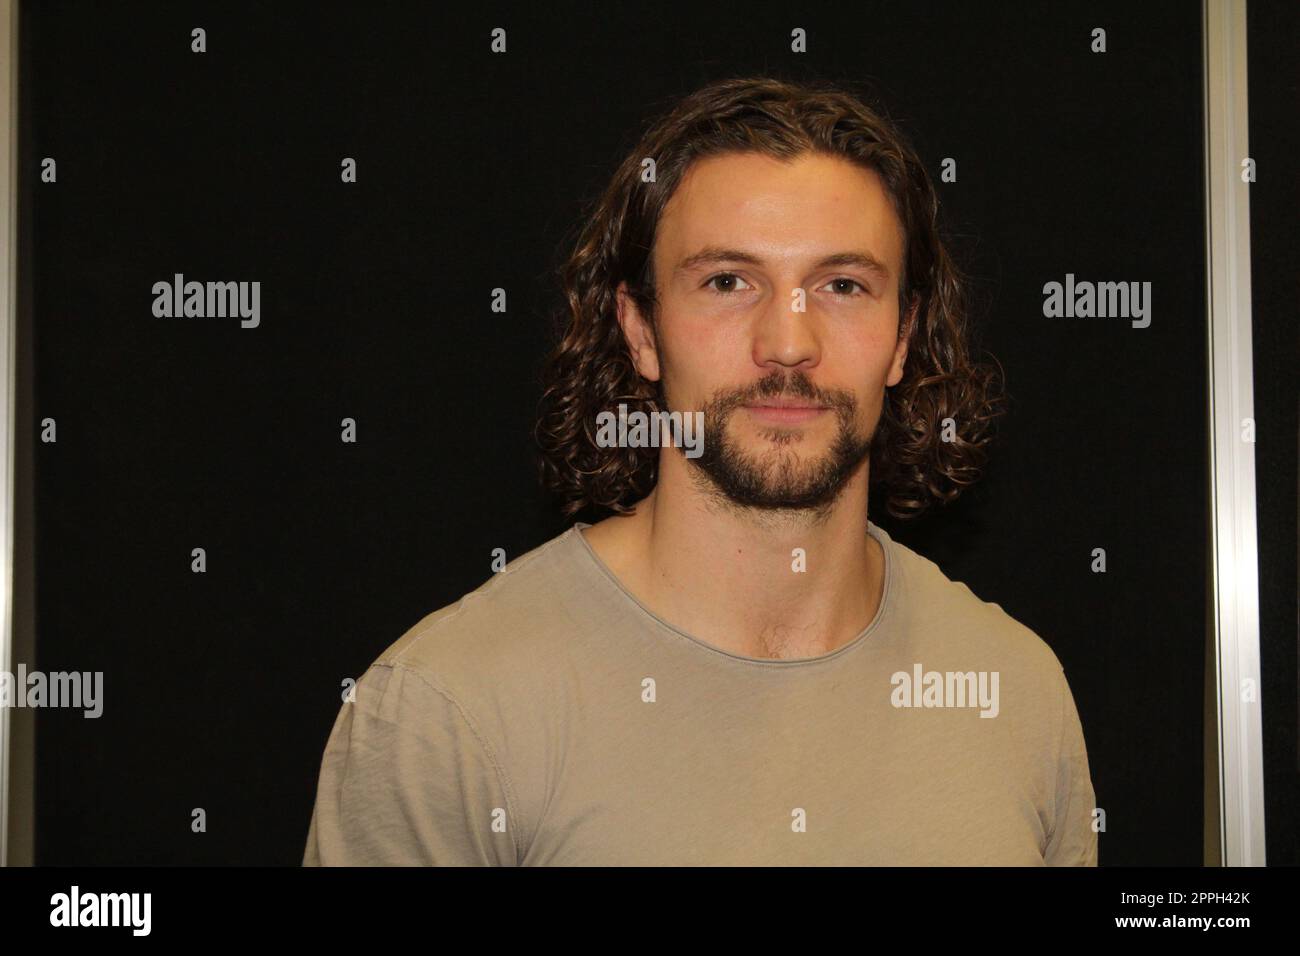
pixel 173 433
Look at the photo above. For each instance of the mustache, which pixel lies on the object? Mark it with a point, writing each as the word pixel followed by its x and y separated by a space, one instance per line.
pixel 784 385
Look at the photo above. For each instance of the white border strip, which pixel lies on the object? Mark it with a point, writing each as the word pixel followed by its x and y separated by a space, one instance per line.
pixel 1235 589
pixel 8 396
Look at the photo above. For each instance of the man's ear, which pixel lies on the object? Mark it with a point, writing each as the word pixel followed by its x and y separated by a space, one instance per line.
pixel 638 335
pixel 907 326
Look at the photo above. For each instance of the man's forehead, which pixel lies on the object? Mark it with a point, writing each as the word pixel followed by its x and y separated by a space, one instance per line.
pixel 775 212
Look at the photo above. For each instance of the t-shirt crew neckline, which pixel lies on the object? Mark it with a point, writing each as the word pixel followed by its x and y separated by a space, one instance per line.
pixel 886 603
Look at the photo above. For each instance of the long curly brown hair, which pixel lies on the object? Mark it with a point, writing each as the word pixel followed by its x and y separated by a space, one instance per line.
pixel 590 369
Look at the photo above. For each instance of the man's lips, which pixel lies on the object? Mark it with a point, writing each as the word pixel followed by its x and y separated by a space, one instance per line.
pixel 785 411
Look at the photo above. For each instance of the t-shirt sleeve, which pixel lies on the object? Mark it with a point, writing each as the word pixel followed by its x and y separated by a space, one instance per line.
pixel 407 780
pixel 1073 841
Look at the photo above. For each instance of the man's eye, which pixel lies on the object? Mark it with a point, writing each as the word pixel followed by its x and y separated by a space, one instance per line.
pixel 847 292
pixel 724 276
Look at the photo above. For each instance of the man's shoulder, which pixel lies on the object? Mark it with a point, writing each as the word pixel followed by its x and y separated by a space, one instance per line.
pixel 945 615
pixel 509 627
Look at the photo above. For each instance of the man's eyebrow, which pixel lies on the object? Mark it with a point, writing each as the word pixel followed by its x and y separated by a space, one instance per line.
pixel 713 255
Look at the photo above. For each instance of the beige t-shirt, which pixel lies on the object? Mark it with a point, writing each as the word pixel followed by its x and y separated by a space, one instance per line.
pixel 549 718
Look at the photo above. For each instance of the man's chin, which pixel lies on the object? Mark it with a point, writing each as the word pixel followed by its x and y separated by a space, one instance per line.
pixel 752 485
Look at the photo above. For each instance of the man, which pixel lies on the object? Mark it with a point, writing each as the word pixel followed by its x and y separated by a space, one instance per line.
pixel 737 666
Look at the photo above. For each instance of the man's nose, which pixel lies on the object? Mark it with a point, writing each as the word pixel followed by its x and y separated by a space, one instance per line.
pixel 785 337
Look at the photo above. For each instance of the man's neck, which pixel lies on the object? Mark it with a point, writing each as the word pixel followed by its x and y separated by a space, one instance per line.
pixel 731 577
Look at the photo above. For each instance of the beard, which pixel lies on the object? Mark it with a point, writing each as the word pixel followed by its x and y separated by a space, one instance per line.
pixel 777 478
